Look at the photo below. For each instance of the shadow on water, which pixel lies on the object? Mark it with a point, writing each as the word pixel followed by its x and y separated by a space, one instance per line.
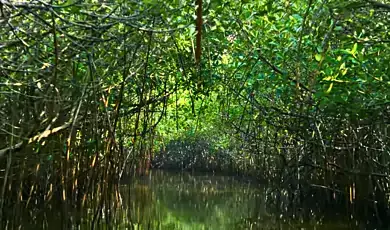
pixel 171 200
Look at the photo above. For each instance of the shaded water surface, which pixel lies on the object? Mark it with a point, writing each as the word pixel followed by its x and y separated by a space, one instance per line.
pixel 170 200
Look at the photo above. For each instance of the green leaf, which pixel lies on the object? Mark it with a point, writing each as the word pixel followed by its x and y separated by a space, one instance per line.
pixel 330 88
pixel 354 48
pixel 318 57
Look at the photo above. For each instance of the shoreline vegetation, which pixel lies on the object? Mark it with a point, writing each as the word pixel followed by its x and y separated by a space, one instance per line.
pixel 293 93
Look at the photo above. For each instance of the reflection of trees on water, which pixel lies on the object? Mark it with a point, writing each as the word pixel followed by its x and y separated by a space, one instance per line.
pixel 165 200
pixel 188 199
pixel 284 211
pixel 176 200
pixel 317 206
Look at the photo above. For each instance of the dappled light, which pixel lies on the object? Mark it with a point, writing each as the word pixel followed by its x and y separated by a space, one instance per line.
pixel 251 114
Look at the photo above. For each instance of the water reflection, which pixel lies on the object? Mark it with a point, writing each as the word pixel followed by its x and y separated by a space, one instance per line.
pixel 168 200
pixel 185 201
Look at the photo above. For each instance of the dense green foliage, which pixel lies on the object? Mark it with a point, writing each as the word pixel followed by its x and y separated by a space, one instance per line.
pixel 293 92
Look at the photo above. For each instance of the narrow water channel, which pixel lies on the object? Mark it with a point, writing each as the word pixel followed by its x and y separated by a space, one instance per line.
pixel 184 201
pixel 171 200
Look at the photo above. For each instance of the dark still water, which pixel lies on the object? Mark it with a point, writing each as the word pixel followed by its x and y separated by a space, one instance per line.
pixel 170 200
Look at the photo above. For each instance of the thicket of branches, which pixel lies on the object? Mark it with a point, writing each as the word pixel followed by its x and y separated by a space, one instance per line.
pixel 79 81
pixel 299 88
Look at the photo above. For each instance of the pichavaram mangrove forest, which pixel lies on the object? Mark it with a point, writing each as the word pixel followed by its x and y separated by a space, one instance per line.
pixel 203 114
